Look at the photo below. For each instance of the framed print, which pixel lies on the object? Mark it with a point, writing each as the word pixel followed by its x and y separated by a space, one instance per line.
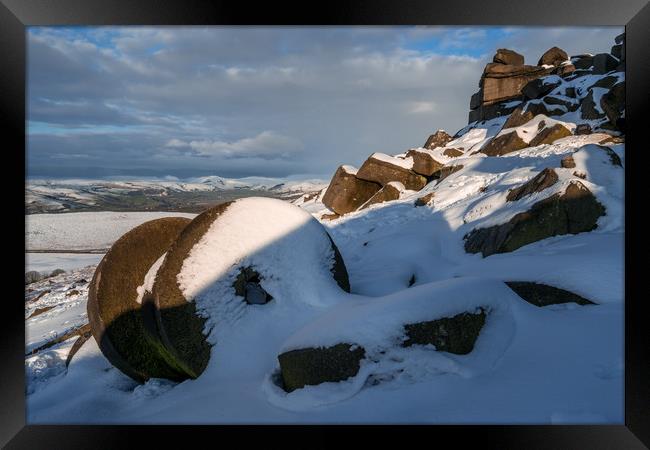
pixel 362 217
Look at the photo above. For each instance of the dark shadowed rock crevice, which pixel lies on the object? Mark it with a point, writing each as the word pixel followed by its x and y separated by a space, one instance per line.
pixel 539 294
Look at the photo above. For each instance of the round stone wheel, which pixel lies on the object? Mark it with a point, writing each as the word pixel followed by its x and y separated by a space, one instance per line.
pixel 113 310
pixel 173 320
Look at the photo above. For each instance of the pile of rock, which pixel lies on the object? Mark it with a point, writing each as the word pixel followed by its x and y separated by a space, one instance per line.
pixel 506 82
pixel 382 178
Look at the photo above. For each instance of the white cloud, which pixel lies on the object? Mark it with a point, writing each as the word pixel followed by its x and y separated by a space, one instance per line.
pixel 266 145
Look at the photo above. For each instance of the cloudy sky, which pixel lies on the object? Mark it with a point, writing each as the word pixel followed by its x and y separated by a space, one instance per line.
pixel 255 101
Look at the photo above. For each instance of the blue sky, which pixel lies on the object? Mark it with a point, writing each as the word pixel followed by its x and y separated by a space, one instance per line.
pixel 256 101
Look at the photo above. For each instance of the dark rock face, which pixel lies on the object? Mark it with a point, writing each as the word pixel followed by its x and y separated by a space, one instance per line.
pixel 565 70
pixel 386 194
pixel 452 152
pixel 113 312
pixel 332 216
pixel 455 334
pixel 606 82
pixel 583 128
pixel 518 117
pixel 549 135
pixel 425 199
pixel 613 102
pixel 543 295
pixel 543 180
pixel 588 109
pixel 504 82
pixel 437 139
pixel 505 56
pixel 617 51
pixel 383 172
pixel 423 163
pixel 448 170
pixel 346 192
pixel 312 366
pixel 541 108
pixel 567 162
pixel 575 211
pixel 583 62
pixel 492 110
pixel 552 100
pixel 604 62
pixel 538 88
pixel 553 56
pixel 506 143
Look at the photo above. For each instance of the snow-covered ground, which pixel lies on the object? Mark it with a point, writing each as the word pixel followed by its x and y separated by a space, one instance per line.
pixel 84 231
pixel 557 364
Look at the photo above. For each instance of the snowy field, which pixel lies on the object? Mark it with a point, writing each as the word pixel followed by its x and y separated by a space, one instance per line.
pixel 84 231
pixel 47 262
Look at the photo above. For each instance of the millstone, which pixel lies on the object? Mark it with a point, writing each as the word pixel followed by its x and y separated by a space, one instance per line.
pixel 312 366
pixel 455 334
pixel 113 311
pixel 173 320
pixel 543 295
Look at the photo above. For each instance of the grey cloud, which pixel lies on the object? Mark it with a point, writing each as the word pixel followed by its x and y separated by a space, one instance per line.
pixel 244 101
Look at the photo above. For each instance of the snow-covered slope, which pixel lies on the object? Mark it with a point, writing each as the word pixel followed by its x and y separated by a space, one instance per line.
pixel 561 363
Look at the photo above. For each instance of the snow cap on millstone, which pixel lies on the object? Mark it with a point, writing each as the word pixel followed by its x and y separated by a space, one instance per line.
pixel 423 162
pixel 114 300
pixel 346 192
pixel 284 248
pixel 554 56
pixel 438 139
pixel 334 346
pixel 388 193
pixel 382 169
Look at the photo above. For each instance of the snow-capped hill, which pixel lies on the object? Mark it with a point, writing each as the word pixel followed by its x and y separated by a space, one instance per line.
pixel 191 195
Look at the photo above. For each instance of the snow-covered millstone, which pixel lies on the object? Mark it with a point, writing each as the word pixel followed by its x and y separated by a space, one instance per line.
pixel 114 307
pixel 462 325
pixel 246 254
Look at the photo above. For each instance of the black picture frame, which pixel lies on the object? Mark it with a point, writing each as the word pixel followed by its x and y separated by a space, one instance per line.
pixel 15 15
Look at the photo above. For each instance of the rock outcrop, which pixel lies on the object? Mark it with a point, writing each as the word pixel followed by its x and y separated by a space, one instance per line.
pixel 554 56
pixel 383 169
pixel 387 193
pixel 346 192
pixel 438 139
pixel 548 135
pixel 543 180
pixel 574 211
pixel 503 144
pixel 424 163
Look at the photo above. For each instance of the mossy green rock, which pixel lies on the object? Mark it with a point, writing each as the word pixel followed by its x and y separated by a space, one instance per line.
pixel 574 211
pixel 543 295
pixel 312 366
pixel 455 334
pixel 114 314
